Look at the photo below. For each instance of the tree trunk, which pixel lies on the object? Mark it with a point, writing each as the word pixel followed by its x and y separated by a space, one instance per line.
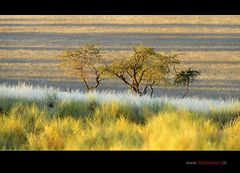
pixel 151 93
pixel 187 89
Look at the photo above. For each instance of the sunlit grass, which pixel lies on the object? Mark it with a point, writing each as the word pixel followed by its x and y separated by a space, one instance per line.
pixel 129 29
pixel 181 130
pixel 12 133
pixel 117 19
pixel 214 19
pixel 55 120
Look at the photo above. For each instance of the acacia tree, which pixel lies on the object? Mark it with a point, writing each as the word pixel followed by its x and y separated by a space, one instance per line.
pixel 143 69
pixel 185 77
pixel 84 62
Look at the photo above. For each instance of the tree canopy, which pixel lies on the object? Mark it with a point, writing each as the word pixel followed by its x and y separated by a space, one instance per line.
pixel 185 77
pixel 143 69
pixel 84 62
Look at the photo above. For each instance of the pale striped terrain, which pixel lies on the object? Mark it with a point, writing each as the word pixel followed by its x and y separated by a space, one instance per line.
pixel 29 46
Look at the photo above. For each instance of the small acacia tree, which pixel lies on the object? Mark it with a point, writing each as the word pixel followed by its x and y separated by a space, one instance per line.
pixel 143 69
pixel 84 62
pixel 185 77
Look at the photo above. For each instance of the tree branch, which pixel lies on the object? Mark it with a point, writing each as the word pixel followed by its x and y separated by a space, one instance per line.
pixel 141 76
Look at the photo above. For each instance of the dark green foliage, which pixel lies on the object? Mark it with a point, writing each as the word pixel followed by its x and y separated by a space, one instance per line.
pixel 7 103
pixel 223 117
pixel 77 109
pixel 185 77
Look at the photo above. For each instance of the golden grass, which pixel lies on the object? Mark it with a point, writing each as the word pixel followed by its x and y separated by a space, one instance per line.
pixel 168 131
pixel 123 19
pixel 147 29
pixel 232 135
pixel 114 126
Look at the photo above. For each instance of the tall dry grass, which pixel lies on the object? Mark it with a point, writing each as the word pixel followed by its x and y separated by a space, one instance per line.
pixel 56 120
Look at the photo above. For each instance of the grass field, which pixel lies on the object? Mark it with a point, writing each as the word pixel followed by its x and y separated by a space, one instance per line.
pixel 41 115
pixel 36 118
pixel 30 46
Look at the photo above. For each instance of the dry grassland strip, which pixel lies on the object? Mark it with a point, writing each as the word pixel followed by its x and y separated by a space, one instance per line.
pixel 30 45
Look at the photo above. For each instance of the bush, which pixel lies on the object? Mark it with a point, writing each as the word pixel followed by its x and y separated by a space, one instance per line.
pixel 119 134
pixel 224 115
pixel 180 130
pixel 232 135
pixel 12 133
pixel 55 134
pixel 77 109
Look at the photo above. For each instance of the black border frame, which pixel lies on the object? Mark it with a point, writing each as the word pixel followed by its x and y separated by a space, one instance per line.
pixel 135 7
pixel 113 161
